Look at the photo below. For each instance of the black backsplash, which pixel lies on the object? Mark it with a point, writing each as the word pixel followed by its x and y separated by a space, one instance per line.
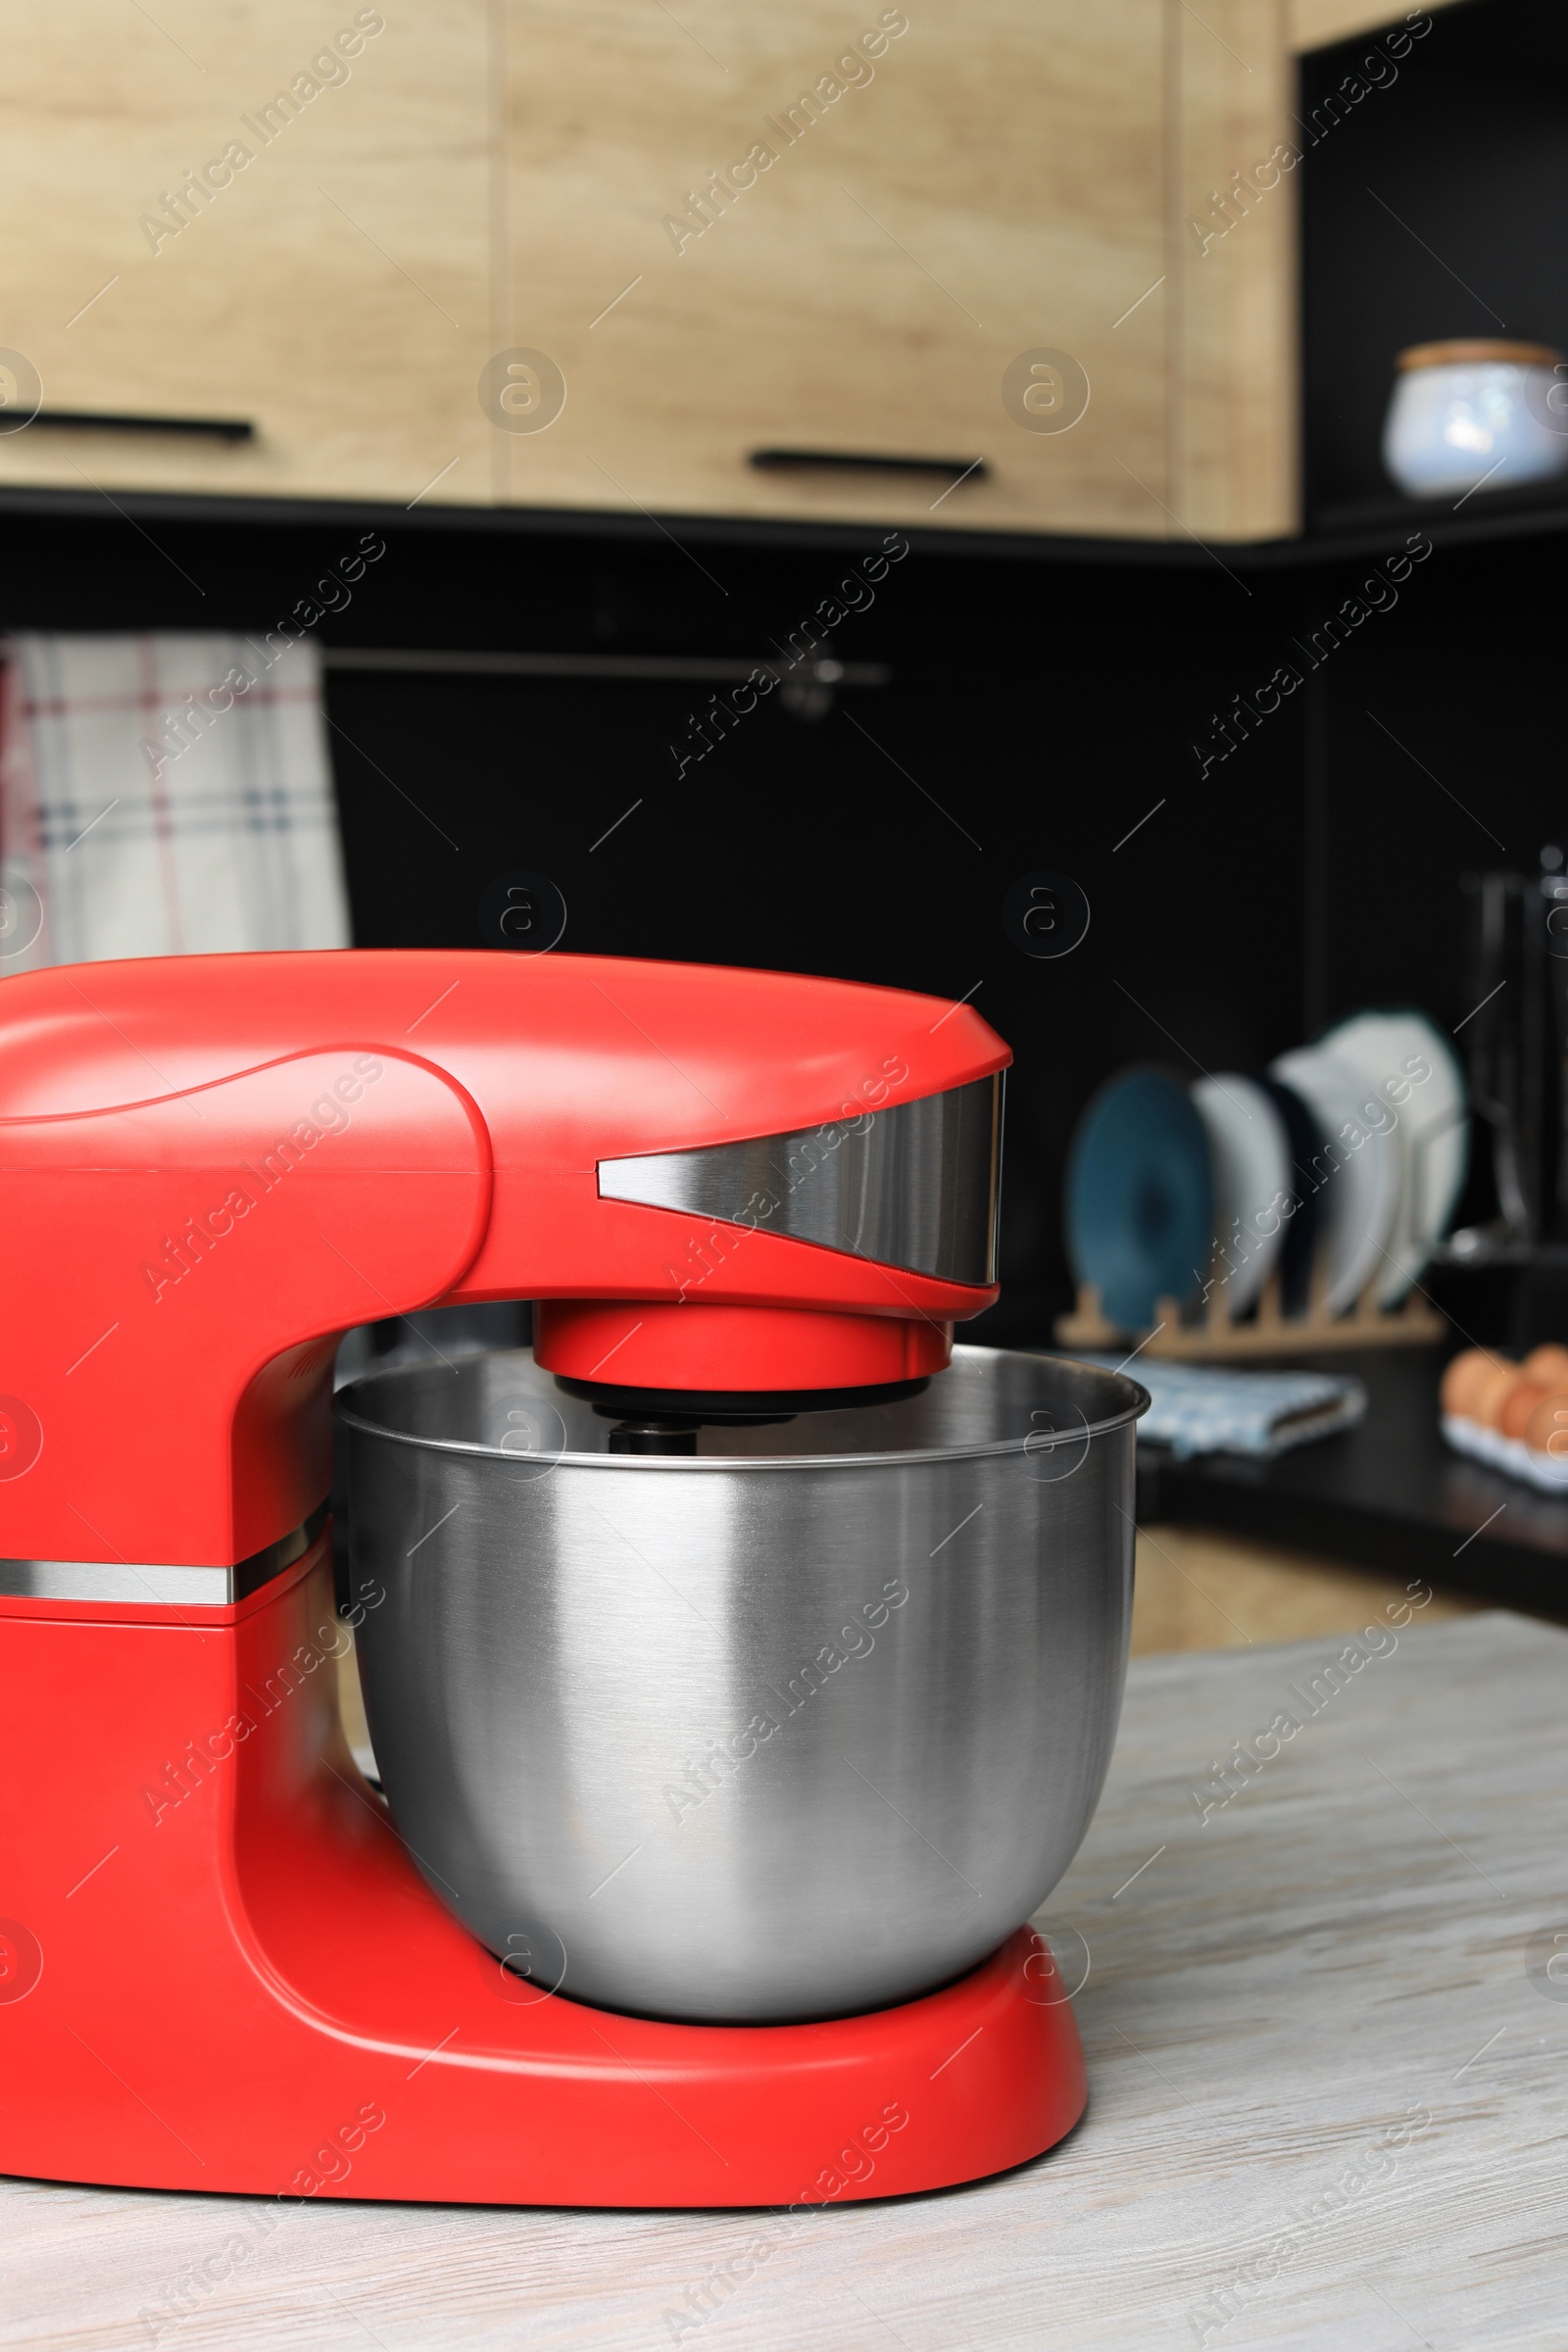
pixel 1038 708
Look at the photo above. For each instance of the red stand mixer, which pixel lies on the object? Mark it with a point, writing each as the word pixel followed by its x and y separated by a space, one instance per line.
pixel 219 1967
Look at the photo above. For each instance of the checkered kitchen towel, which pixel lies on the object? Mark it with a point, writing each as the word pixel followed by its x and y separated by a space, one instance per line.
pixel 164 796
pixel 1209 1408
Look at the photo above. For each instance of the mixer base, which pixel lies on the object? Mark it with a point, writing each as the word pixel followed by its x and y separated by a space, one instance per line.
pixel 251 1990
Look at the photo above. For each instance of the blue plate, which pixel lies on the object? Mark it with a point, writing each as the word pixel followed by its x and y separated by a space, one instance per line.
pixel 1139 1197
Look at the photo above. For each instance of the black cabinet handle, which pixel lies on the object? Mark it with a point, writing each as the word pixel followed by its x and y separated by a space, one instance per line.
pixel 91 421
pixel 842 461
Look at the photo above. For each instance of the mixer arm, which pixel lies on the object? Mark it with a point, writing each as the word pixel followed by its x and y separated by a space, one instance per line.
pixel 209 1183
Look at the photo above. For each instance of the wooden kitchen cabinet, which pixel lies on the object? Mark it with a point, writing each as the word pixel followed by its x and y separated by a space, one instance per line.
pixel 333 285
pixel 1315 24
pixel 596 253
pixel 921 197
pixel 1018 176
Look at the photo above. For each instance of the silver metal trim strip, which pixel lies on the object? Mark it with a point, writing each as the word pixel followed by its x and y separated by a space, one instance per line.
pixel 160 1585
pixel 916 1186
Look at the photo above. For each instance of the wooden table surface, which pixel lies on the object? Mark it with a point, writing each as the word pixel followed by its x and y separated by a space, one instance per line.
pixel 1329 2085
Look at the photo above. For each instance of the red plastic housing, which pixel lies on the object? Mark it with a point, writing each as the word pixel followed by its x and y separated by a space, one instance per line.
pixel 219 1163
pixel 633 1343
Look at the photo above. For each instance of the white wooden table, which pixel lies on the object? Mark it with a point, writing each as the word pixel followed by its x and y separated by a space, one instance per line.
pixel 1329 2106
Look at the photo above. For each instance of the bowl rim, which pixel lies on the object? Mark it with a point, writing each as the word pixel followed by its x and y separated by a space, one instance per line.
pixel 1136 1402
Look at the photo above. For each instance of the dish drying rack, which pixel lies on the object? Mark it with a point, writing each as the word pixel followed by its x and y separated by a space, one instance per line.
pixel 1219 1338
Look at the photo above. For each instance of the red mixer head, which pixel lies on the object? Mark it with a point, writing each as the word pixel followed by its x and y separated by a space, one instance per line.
pixel 730 1193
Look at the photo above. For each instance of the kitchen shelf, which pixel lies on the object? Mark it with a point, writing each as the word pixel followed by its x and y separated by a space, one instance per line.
pixel 1498 514
pixel 1353 527
pixel 1386 1494
pixel 1346 534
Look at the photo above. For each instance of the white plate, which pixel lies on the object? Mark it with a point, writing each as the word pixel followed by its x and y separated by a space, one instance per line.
pixel 1250 1152
pixel 1432 1127
pixel 1359 1168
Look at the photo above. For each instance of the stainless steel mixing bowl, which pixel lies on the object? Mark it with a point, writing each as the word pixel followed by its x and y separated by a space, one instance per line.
pixel 798 1725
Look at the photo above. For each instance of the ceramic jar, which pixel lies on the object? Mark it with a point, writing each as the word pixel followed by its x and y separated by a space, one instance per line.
pixel 1468 412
